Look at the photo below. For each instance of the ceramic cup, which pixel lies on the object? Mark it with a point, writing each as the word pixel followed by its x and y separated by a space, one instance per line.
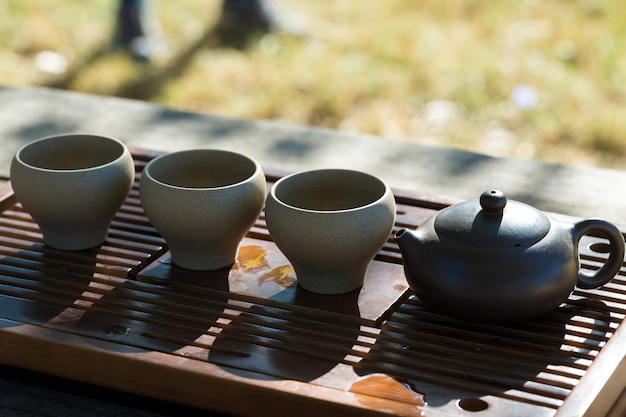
pixel 72 185
pixel 330 224
pixel 203 202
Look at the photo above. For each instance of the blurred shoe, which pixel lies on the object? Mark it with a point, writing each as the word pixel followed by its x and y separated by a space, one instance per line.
pixel 132 31
pixel 242 20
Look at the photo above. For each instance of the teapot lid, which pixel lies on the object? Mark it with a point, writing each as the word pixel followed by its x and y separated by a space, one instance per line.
pixel 492 222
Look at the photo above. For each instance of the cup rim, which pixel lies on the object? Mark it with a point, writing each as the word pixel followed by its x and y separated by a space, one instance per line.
pixel 122 154
pixel 154 161
pixel 383 196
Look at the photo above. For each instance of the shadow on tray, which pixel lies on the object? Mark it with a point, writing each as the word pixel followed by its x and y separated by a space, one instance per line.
pixel 536 362
pixel 249 324
pixel 289 344
pixel 40 285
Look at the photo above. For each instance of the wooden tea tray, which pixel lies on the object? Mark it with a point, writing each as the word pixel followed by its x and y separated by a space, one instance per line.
pixel 247 341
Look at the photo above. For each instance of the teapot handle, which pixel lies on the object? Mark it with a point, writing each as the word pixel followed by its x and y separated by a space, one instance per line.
pixel 589 280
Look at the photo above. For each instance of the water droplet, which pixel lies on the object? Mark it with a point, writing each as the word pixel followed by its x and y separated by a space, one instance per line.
pixel 116 329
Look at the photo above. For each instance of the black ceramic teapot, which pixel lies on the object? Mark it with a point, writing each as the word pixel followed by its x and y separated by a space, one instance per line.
pixel 497 261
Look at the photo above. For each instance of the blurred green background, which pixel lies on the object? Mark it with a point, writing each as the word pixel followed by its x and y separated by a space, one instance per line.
pixel 528 79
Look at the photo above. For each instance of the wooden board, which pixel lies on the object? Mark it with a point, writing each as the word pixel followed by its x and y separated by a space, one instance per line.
pixel 248 341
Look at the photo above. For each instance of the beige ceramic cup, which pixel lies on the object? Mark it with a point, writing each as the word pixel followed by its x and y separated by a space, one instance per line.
pixel 203 202
pixel 330 224
pixel 72 185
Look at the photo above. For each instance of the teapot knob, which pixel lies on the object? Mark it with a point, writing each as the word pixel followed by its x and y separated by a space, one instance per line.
pixel 493 201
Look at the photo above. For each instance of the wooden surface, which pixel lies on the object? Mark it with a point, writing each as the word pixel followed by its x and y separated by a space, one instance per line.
pixel 248 341
pixel 29 393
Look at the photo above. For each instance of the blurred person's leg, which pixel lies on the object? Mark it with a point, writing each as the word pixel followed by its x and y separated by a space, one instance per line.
pixel 132 30
pixel 242 19
pixel 239 21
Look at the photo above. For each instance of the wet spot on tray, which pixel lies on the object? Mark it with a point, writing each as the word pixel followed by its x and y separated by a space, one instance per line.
pixel 116 329
pixel 282 275
pixel 251 258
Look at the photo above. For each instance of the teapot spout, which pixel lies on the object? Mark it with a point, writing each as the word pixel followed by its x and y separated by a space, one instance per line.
pixel 410 245
pixel 412 248
pixel 408 242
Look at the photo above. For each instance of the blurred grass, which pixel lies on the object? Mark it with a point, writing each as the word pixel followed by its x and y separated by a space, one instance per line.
pixel 429 71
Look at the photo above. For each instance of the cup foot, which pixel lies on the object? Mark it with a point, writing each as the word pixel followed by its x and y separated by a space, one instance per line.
pixel 329 285
pixel 201 263
pixel 75 242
